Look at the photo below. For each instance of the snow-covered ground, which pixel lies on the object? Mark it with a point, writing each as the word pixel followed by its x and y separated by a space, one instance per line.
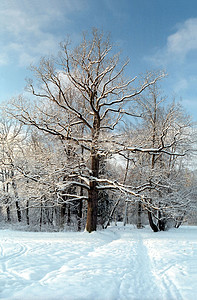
pixel 118 263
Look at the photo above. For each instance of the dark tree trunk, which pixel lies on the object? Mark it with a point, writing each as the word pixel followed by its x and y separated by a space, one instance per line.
pixel 161 222
pixel 62 214
pixel 162 225
pixel 18 210
pixel 41 214
pixel 139 215
pixel 68 215
pixel 52 215
pixel 152 224
pixel 91 222
pixel 178 224
pixel 8 214
pixel 27 212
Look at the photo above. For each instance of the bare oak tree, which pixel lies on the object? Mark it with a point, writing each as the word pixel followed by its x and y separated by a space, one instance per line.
pixel 83 88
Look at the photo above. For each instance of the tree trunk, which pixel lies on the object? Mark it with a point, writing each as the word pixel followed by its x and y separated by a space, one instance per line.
pixel 111 214
pixel 91 222
pixel 125 220
pixel 8 214
pixel 18 210
pixel 27 212
pixel 162 225
pixel 179 221
pixel 139 215
pixel 152 224
pixel 80 206
pixel 52 215
pixel 68 215
pixel 14 186
pixel 80 211
pixel 161 222
pixel 41 213
pixel 62 215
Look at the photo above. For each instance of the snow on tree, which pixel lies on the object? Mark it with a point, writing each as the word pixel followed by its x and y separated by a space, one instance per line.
pixel 163 174
pixel 78 102
pixel 88 86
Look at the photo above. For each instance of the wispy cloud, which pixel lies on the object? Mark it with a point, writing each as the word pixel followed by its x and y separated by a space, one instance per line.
pixel 30 29
pixel 178 58
pixel 184 39
pixel 181 84
pixel 178 45
pixel 3 59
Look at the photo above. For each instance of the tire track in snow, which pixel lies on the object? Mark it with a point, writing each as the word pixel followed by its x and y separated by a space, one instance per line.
pixel 171 289
pixel 112 265
pixel 77 264
pixel 165 270
pixel 18 250
pixel 142 284
pixel 2 263
pixel 7 261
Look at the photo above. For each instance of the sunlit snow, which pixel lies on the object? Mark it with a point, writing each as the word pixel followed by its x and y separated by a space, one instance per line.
pixel 120 263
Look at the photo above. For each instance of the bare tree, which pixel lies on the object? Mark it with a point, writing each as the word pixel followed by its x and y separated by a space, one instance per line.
pixel 88 88
pixel 11 137
pixel 164 127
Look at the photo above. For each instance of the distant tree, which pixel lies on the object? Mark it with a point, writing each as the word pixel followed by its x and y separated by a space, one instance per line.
pixel 11 138
pixel 162 173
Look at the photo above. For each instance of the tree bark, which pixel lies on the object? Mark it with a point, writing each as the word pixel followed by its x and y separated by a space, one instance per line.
pixel 27 212
pixel 62 215
pixel 139 215
pixel 152 224
pixel 91 222
pixel 68 215
pixel 161 222
pixel 80 211
pixel 111 214
pixel 41 214
pixel 125 220
pixel 14 186
pixel 18 210
pixel 8 214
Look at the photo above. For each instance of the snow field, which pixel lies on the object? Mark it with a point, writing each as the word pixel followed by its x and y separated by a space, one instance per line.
pixel 120 263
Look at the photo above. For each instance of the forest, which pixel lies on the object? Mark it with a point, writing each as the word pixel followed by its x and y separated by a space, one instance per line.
pixel 87 145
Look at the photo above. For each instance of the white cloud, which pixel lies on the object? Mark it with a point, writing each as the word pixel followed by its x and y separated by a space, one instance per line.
pixel 178 57
pixel 184 39
pixel 33 28
pixel 3 59
pixel 180 85
pixel 16 22
pixel 190 105
pixel 178 45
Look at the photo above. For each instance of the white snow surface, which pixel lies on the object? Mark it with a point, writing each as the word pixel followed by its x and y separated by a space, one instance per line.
pixel 120 263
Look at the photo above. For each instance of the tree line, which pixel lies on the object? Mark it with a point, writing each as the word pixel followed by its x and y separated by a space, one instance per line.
pixel 90 146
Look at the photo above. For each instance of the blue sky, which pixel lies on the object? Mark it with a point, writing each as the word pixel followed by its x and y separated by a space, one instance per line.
pixel 154 34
